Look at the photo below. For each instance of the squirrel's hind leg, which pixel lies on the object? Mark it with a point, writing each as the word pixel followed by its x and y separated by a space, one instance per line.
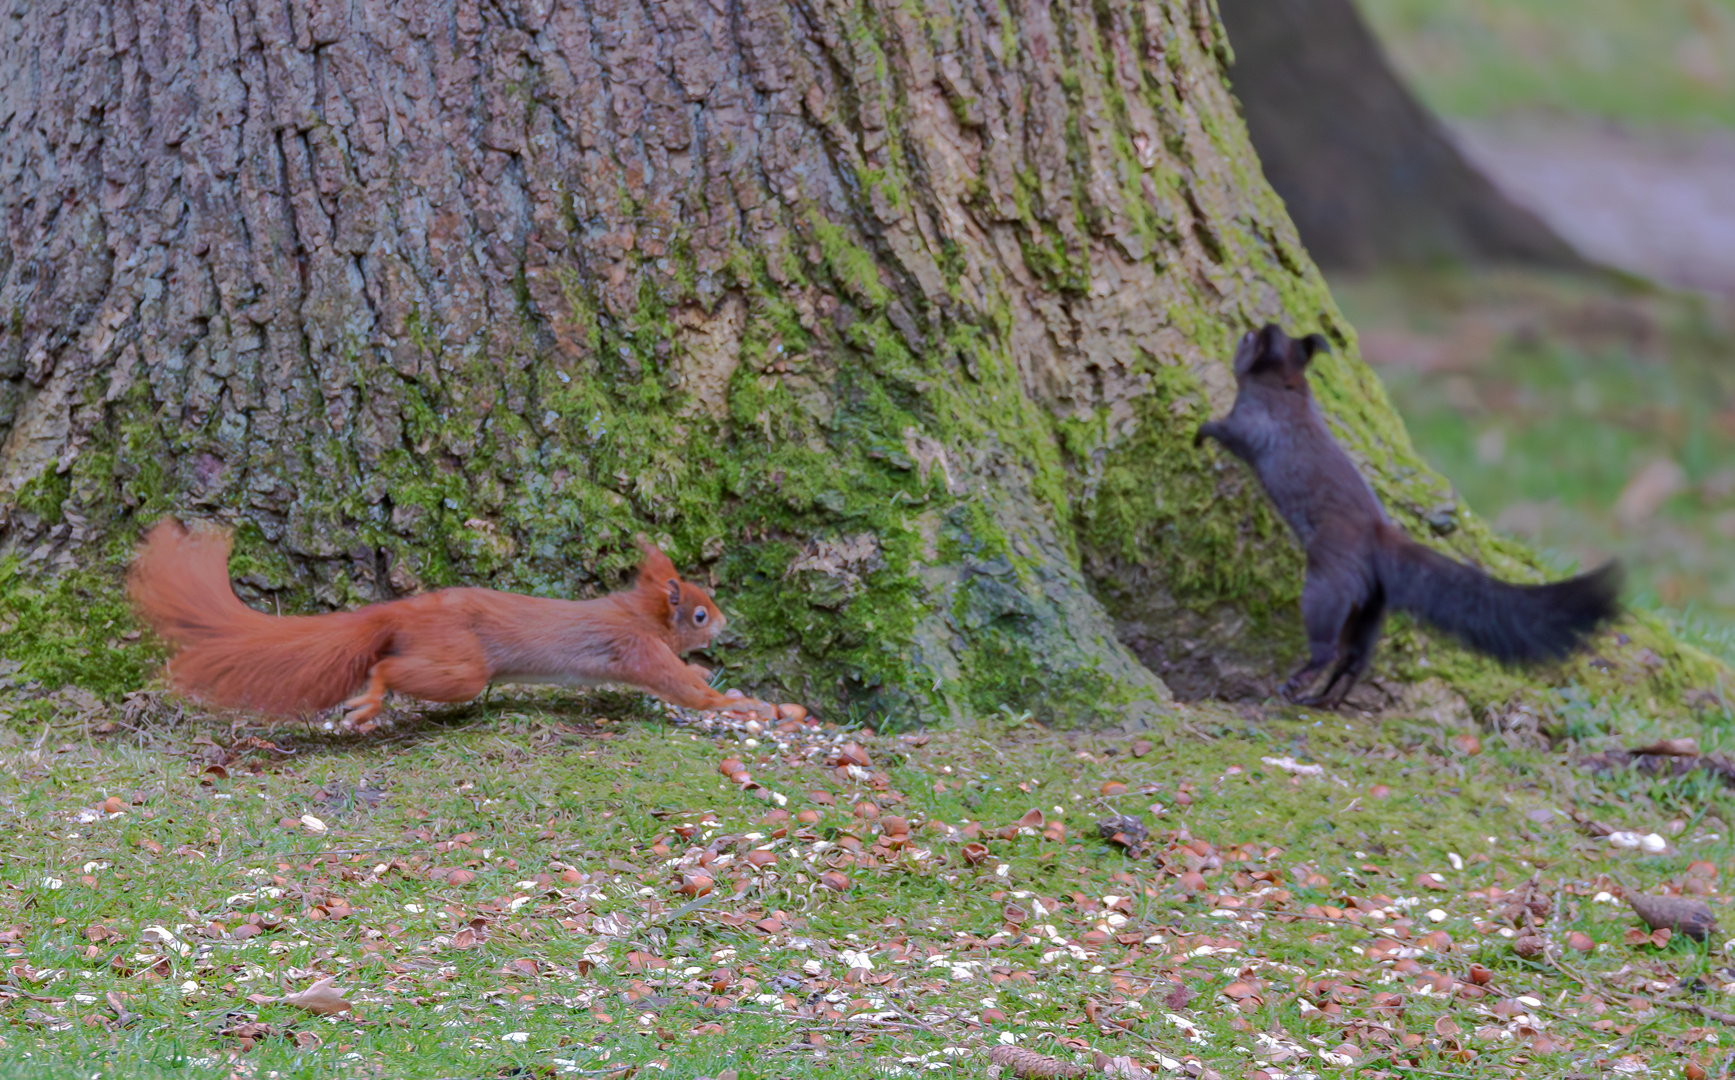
pixel 362 708
pixel 1360 636
pixel 457 674
pixel 1328 602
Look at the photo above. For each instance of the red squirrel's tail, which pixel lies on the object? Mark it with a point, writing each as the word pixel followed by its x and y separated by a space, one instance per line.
pixel 229 655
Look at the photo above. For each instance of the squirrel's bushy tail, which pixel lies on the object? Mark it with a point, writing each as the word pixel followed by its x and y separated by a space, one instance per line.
pixel 229 655
pixel 1511 623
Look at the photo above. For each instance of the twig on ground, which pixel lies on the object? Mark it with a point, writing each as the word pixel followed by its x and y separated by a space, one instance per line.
pixel 1700 1010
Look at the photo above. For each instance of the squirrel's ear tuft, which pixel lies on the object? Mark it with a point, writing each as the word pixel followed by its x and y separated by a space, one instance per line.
pixel 656 567
pixel 1312 345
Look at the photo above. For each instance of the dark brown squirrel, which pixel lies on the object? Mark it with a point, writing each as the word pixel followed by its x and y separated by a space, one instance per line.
pixel 1358 561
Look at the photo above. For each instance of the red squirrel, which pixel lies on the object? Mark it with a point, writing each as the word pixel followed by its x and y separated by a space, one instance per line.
pixel 440 646
pixel 1358 560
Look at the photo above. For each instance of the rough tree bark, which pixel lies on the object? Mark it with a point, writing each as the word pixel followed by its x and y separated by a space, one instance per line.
pixel 895 320
pixel 1369 175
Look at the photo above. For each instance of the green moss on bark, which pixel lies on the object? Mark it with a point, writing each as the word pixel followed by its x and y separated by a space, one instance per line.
pixel 913 383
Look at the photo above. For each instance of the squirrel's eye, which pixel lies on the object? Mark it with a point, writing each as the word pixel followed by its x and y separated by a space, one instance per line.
pixel 699 617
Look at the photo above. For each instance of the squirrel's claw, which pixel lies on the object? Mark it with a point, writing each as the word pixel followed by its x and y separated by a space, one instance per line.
pixel 361 710
pixel 753 708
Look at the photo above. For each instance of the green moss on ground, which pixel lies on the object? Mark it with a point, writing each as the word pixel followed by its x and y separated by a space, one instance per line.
pixel 1363 865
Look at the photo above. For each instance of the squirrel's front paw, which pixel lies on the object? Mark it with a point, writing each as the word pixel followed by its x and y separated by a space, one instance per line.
pixel 742 705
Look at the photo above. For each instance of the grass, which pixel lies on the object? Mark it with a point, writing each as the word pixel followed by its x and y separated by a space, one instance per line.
pixel 1663 62
pixel 1306 942
pixel 1548 400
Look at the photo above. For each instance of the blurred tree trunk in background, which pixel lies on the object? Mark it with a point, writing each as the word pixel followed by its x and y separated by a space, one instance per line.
pixel 893 322
pixel 1368 174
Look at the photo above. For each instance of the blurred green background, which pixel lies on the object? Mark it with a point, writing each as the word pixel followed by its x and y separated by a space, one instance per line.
pixel 1593 417
pixel 1643 62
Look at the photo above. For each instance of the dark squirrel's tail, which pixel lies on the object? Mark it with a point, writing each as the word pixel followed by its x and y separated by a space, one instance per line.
pixel 1511 623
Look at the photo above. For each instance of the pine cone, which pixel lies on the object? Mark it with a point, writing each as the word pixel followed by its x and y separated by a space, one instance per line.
pixel 1033 1066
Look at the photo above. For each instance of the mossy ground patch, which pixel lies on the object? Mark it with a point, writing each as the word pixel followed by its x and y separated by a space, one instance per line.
pixel 499 888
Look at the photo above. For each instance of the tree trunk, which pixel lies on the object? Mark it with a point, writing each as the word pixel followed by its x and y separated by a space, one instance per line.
pixel 894 322
pixel 1368 174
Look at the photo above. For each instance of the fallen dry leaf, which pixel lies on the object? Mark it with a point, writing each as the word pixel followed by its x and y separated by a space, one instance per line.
pixel 1123 829
pixel 1435 940
pixel 1123 1067
pixel 1670 748
pixel 1466 743
pixel 319 998
pixel 852 754
pixel 1647 490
